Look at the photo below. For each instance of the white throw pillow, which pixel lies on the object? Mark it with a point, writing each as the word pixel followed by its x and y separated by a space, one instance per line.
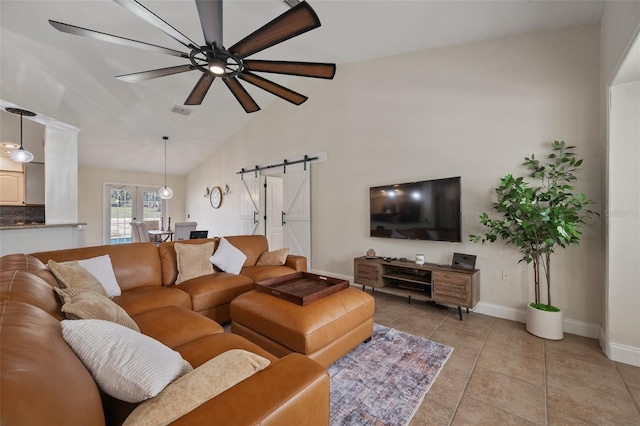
pixel 228 258
pixel 125 364
pixel 101 268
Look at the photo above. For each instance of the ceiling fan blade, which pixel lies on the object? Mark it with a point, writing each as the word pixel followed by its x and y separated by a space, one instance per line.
pixel 304 69
pixel 72 29
pixel 142 12
pixel 241 95
pixel 210 12
pixel 148 75
pixel 273 88
pixel 295 21
pixel 200 90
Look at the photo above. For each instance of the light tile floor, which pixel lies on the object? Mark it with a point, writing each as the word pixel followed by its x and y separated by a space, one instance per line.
pixel 498 374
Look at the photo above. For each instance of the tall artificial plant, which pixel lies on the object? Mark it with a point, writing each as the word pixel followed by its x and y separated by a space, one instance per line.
pixel 537 219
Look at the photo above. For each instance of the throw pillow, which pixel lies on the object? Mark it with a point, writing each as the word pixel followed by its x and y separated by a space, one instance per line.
pixel 101 268
pixel 228 258
pixel 197 387
pixel 127 365
pixel 273 258
pixel 72 275
pixel 193 260
pixel 84 304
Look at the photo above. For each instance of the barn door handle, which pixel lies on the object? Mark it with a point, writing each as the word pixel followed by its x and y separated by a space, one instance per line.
pixel 254 217
pixel 283 222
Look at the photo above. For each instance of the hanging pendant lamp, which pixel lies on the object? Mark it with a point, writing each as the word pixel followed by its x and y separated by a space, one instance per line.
pixel 21 155
pixel 165 193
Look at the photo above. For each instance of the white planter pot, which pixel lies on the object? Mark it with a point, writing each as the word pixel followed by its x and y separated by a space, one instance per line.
pixel 547 325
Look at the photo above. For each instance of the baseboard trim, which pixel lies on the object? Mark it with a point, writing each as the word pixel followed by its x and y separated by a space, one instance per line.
pixel 580 328
pixel 624 353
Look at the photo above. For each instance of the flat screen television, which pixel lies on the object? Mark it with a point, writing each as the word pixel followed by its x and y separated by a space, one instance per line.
pixel 426 210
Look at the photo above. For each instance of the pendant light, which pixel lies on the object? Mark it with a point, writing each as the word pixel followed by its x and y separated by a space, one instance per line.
pixel 21 155
pixel 165 193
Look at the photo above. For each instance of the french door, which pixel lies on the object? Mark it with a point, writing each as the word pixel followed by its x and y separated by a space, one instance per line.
pixel 127 203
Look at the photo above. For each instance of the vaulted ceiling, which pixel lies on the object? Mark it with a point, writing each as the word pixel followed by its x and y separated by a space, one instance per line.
pixel 71 79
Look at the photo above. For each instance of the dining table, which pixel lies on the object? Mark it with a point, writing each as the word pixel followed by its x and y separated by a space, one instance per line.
pixel 164 235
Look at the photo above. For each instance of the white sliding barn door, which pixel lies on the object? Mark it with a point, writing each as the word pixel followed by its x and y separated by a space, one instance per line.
pixel 296 202
pixel 252 205
pixel 274 209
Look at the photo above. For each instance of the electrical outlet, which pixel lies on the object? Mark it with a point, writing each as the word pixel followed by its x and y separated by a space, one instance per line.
pixel 505 275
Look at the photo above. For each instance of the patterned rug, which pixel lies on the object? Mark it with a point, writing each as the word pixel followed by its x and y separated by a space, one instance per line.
pixel 383 382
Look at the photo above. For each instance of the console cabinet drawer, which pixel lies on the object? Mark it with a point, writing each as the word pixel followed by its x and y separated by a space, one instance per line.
pixel 367 273
pixel 450 288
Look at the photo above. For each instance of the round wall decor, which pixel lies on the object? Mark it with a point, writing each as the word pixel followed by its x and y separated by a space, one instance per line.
pixel 215 196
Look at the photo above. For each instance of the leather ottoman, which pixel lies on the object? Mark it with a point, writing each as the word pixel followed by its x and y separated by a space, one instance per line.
pixel 323 330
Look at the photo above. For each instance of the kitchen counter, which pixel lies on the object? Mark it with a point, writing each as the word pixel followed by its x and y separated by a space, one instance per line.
pixel 40 225
pixel 33 237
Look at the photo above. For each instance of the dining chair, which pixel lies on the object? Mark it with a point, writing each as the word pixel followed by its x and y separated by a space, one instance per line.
pixel 153 224
pixel 182 230
pixel 140 232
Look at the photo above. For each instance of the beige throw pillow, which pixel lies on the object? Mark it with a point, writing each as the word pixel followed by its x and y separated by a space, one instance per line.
pixel 127 365
pixel 273 258
pixel 197 387
pixel 193 260
pixel 79 303
pixel 72 275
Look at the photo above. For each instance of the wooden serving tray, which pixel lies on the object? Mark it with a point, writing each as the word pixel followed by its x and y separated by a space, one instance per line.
pixel 301 288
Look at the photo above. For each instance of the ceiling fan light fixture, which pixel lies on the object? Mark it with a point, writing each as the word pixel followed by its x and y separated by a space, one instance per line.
pixel 21 155
pixel 217 66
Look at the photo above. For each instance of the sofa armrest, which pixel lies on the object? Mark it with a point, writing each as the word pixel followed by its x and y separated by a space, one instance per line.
pixel 293 391
pixel 299 263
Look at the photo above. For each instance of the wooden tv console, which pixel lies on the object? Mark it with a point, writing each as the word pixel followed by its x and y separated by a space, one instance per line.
pixel 428 282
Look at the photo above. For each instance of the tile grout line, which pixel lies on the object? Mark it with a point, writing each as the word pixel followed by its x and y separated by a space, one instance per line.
pixel 546 382
pixel 466 385
pixel 626 386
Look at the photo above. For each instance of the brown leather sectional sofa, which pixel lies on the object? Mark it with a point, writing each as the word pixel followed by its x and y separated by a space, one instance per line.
pixel 42 381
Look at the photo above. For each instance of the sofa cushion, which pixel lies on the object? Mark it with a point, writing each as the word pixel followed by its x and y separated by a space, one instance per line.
pixel 215 289
pixel 135 265
pixel 101 268
pixel 193 260
pixel 169 258
pixel 175 325
pixel 143 299
pixel 196 387
pixel 251 245
pixel 28 263
pixel 84 304
pixel 228 258
pixel 21 286
pixel 72 275
pixel 126 365
pixel 199 351
pixel 259 273
pixel 43 381
pixel 273 258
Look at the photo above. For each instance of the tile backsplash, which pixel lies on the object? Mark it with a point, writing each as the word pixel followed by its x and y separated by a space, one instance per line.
pixel 20 215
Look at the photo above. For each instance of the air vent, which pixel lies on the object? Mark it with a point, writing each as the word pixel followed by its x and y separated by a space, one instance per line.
pixel 292 3
pixel 181 110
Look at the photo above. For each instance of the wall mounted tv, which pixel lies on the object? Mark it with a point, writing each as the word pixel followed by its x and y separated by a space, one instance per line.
pixel 426 210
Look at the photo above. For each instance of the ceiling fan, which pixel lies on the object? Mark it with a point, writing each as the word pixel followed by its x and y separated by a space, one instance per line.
pixel 214 60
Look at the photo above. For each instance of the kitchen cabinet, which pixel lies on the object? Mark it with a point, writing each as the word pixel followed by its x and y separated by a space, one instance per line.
pixel 11 188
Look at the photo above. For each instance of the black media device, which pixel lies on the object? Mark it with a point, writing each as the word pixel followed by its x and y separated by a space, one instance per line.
pixel 425 210
pixel 194 235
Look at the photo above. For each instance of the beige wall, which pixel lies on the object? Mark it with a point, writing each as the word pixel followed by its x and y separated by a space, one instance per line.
pixel 91 182
pixel 474 111
pixel 620 337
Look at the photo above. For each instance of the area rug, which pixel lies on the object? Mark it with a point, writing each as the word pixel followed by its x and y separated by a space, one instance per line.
pixel 384 381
